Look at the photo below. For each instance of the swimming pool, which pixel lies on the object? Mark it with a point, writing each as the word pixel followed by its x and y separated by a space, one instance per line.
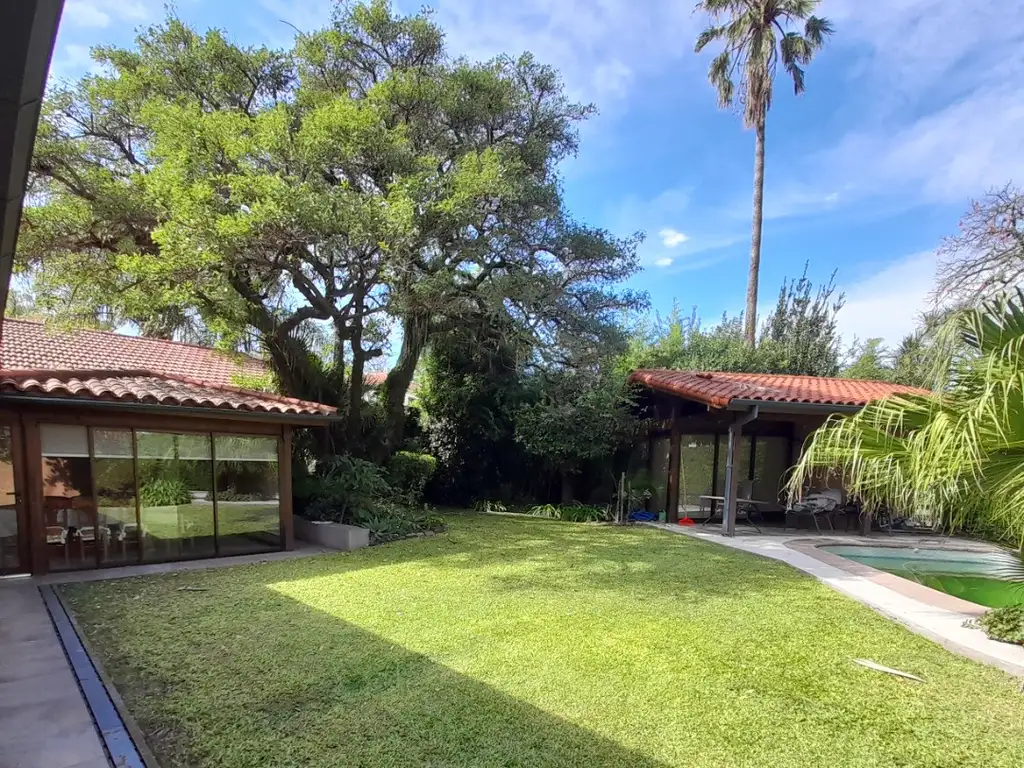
pixel 972 576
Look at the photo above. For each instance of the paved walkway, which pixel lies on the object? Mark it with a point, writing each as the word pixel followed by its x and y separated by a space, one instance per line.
pixel 44 721
pixel 925 611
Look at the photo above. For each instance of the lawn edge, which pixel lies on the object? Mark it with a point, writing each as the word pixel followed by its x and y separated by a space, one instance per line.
pixel 134 730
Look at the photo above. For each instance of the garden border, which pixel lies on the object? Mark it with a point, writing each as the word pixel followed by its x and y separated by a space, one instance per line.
pixel 122 738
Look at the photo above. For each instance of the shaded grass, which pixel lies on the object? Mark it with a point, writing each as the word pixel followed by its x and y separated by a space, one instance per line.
pixel 523 642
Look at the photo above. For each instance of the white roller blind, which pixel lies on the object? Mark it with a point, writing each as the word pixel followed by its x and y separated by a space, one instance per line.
pixel 237 448
pixel 165 445
pixel 64 440
pixel 112 443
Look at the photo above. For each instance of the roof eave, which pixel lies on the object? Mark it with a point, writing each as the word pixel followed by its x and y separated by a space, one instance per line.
pixel 228 414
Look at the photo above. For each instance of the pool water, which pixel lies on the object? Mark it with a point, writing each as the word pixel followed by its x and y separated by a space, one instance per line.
pixel 972 576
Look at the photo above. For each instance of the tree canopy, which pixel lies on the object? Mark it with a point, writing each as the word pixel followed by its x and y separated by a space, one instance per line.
pixel 317 201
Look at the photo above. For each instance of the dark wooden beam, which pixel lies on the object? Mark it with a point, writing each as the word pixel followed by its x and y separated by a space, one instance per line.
pixel 674 455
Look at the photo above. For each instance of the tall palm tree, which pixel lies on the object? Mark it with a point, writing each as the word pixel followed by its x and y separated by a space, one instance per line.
pixel 756 40
pixel 953 456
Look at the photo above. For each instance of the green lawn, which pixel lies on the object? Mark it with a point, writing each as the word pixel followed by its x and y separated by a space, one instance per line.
pixel 522 642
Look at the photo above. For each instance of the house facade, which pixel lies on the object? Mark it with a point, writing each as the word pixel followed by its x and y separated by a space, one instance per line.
pixel 716 434
pixel 119 450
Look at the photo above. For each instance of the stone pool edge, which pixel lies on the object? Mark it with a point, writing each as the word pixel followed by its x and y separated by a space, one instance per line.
pixel 928 612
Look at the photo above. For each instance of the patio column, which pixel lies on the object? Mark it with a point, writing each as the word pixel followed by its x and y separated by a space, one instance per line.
pixel 732 477
pixel 674 451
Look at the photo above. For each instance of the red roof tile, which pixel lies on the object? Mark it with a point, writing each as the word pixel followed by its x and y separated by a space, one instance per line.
pixel 30 345
pixel 153 388
pixel 719 389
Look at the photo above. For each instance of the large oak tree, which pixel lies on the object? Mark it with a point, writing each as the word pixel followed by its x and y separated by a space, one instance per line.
pixel 318 203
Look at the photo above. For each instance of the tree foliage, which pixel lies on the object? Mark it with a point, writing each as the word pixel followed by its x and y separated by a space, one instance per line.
pixel 317 201
pixel 798 337
pixel 986 257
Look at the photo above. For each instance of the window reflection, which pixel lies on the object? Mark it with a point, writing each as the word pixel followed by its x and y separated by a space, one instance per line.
pixel 10 560
pixel 696 472
pixel 69 507
pixel 248 504
pixel 114 468
pixel 175 495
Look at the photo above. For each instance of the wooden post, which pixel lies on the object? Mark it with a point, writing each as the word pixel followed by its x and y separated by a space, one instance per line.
pixel 732 478
pixel 33 474
pixel 674 451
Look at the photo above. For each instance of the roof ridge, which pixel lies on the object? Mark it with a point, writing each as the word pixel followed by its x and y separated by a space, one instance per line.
pixel 140 337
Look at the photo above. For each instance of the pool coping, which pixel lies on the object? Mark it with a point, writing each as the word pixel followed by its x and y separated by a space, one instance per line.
pixel 906 587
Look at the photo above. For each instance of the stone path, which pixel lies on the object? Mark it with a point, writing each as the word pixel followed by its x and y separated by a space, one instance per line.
pixel 44 721
pixel 925 611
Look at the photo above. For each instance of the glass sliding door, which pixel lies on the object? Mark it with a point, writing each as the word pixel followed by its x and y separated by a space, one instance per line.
pixel 13 528
pixel 114 472
pixel 696 472
pixel 248 497
pixel 660 448
pixel 69 506
pixel 771 461
pixel 175 495
pixel 742 466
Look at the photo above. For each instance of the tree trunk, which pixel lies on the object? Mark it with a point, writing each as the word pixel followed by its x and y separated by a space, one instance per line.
pixel 414 340
pixel 567 490
pixel 750 318
pixel 354 425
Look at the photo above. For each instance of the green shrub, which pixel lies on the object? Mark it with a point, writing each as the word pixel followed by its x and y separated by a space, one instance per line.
pixel 489 507
pixel 345 490
pixel 1005 624
pixel 409 473
pixel 393 521
pixel 164 492
pixel 572 513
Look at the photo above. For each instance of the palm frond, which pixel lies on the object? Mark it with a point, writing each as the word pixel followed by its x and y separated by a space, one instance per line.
pixel 953 457
pixel 719 74
pixel 816 29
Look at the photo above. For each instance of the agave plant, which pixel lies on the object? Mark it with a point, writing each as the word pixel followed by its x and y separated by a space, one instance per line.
pixel 954 455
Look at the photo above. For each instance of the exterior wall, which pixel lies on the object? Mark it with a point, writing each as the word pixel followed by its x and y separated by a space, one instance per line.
pixel 25 420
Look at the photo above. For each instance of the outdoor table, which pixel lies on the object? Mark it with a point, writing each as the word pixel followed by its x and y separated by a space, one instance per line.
pixel 711 511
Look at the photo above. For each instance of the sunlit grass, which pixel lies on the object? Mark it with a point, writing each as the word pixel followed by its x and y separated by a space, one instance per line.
pixel 509 642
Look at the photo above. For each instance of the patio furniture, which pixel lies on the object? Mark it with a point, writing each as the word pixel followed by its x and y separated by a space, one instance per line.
pixel 815 506
pixel 746 508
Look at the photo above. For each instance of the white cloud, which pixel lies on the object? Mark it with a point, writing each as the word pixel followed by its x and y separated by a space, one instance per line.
pixel 101 13
pixel 600 47
pixel 665 261
pixel 672 237
pixel 934 118
pixel 888 303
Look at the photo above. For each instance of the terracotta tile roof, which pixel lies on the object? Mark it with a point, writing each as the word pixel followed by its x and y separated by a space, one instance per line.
pixel 149 387
pixel 719 389
pixel 30 345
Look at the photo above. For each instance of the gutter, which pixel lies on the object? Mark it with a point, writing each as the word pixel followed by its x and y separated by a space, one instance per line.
pixel 767 406
pixel 304 419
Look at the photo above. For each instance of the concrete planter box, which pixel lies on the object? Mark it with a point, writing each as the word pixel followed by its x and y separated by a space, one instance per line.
pixel 331 535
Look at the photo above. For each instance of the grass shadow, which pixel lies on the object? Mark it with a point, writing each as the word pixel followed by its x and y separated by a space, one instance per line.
pixel 350 699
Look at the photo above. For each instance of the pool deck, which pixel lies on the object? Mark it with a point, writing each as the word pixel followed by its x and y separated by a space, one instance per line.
pixel 928 612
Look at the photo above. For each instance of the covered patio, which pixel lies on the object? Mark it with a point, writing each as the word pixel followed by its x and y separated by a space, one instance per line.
pixel 722 444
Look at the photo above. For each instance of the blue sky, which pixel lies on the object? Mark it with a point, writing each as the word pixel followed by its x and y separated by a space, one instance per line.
pixel 915 107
